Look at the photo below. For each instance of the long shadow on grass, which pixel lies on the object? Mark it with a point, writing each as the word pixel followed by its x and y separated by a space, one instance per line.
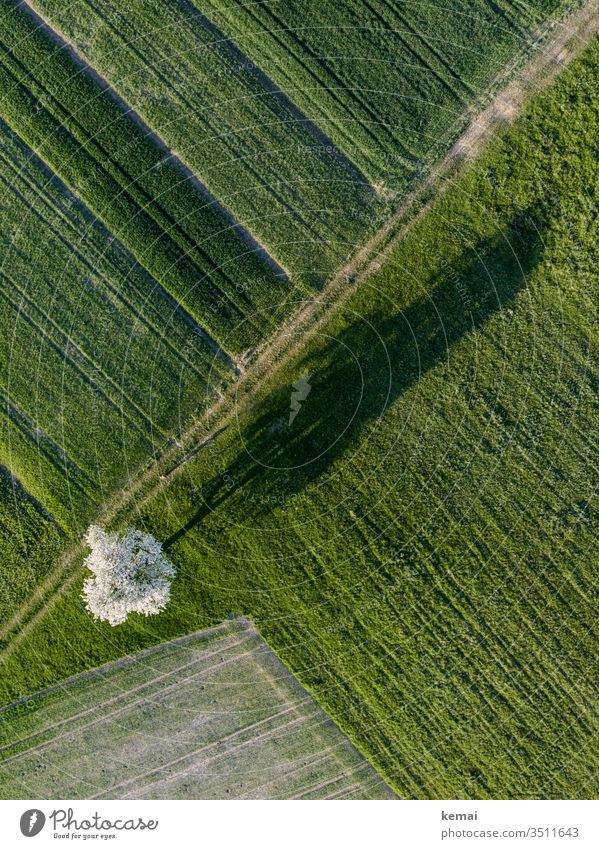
pixel 356 376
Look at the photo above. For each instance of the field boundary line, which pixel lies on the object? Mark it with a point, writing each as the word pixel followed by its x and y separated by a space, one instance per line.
pixel 221 628
pixel 574 33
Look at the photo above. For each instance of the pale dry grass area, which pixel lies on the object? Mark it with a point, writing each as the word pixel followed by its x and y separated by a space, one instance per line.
pixel 211 715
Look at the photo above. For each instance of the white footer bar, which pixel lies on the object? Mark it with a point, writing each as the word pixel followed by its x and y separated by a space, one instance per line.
pixel 285 825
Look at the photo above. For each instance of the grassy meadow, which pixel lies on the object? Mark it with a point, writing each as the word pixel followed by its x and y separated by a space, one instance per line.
pixel 417 545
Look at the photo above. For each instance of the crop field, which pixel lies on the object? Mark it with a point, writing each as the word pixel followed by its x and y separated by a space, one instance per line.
pixel 244 139
pixel 215 715
pixel 417 545
pixel 300 130
pixel 177 233
pixel 29 543
pixel 99 365
pixel 403 503
pixel 387 82
pixel 165 202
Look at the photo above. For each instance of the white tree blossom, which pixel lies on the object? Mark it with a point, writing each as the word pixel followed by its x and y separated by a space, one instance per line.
pixel 131 575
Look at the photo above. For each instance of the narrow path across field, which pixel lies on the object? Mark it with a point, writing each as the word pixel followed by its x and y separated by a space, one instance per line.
pixel 508 100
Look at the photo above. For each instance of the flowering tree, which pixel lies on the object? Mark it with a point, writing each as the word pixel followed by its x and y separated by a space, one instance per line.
pixel 131 575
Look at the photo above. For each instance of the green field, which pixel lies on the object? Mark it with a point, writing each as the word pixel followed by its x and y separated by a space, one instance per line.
pixel 212 716
pixel 301 129
pixel 99 366
pixel 164 207
pixel 417 546
pixel 387 82
pixel 247 142
pixel 173 229
pixel 29 543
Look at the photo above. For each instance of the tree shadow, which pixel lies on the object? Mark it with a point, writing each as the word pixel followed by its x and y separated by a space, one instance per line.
pixel 350 380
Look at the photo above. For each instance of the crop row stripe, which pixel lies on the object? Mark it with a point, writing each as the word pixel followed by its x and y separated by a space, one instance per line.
pixel 46 446
pixel 133 213
pixel 451 87
pixel 66 346
pixel 44 198
pixel 67 46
